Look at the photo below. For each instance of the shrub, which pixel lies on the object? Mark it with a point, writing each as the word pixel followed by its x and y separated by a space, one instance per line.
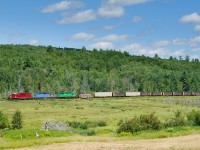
pixel 87 124
pixel 17 120
pixel 194 117
pixel 131 125
pixel 74 124
pixel 88 132
pixel 4 123
pixel 101 123
pixel 177 120
pixel 143 122
pixel 150 122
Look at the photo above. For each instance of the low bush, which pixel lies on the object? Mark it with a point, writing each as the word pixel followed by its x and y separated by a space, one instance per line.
pixel 150 122
pixel 101 123
pixel 88 132
pixel 177 120
pixel 87 124
pixel 143 122
pixel 193 118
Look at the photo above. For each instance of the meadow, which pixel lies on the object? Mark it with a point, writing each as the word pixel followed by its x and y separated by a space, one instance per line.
pixel 108 111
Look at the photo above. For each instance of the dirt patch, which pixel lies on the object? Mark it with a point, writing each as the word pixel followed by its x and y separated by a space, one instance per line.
pixel 191 142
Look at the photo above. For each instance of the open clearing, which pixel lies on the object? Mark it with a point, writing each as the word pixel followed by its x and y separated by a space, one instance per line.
pixel 111 110
pixel 190 142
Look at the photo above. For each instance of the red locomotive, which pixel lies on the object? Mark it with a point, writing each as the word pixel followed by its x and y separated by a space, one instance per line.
pixel 21 96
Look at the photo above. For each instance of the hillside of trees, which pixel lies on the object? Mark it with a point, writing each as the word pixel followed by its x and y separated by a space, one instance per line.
pixel 26 68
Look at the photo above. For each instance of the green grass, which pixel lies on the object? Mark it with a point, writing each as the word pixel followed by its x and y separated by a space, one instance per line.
pixel 111 110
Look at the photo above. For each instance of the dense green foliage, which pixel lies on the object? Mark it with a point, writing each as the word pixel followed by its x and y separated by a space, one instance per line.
pixel 28 68
pixel 17 120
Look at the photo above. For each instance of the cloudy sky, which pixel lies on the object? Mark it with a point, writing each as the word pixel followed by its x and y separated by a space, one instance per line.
pixel 140 27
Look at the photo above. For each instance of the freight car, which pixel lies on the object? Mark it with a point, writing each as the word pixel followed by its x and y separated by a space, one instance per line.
pixel 103 94
pixel 66 95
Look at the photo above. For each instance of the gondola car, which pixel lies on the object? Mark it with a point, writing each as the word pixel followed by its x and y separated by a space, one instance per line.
pixel 167 93
pixel 20 96
pixel 118 94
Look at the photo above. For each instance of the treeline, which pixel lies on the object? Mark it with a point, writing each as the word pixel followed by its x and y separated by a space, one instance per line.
pixel 26 68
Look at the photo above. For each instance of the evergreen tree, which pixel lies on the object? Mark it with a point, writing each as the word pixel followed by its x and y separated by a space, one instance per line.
pixel 17 120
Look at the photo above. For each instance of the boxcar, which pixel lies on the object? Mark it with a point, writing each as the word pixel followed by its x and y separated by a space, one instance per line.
pixel 66 95
pixel 102 94
pixel 21 96
pixel 43 95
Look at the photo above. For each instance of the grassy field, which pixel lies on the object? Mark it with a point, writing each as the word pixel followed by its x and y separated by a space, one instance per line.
pixel 111 110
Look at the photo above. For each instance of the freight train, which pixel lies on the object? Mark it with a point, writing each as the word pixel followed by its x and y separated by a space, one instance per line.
pixel 24 96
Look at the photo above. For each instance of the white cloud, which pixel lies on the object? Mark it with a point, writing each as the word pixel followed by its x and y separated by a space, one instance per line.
pixel 33 42
pixel 162 43
pixel 194 41
pixel 63 5
pixel 197 28
pixel 192 18
pixel 83 36
pixel 127 2
pixel 138 49
pixel 111 11
pixel 114 37
pixel 84 16
pixel 102 45
pixel 109 27
pixel 179 41
pixel 133 47
pixel 137 19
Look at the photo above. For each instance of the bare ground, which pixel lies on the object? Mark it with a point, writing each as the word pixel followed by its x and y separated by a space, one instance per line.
pixel 191 142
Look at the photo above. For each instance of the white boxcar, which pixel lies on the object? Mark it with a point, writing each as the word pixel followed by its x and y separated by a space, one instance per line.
pixel 103 94
pixel 132 93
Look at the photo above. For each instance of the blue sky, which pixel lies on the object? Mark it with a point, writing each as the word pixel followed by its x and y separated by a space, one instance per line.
pixel 140 27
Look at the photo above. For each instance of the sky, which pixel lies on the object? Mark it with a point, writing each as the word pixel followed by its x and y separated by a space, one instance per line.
pixel 140 27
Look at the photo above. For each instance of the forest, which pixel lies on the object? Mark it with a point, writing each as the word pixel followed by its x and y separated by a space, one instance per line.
pixel 26 68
